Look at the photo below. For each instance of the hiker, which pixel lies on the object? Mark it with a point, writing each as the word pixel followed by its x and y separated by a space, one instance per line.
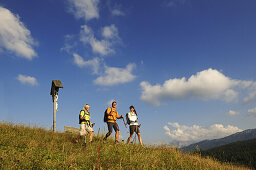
pixel 85 123
pixel 132 120
pixel 112 115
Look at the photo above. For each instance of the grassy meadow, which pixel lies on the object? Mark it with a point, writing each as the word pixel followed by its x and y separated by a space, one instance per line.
pixel 23 147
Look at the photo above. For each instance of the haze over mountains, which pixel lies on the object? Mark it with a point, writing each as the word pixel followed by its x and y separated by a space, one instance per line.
pixel 208 144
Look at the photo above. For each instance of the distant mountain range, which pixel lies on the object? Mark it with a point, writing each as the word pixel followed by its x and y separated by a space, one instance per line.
pixel 208 144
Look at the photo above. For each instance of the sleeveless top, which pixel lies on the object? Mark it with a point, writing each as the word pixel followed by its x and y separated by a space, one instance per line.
pixel 132 117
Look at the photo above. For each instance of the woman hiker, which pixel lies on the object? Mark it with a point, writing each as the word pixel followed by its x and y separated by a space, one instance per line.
pixel 132 120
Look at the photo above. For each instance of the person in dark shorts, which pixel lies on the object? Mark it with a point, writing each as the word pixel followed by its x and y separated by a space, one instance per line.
pixel 133 122
pixel 111 122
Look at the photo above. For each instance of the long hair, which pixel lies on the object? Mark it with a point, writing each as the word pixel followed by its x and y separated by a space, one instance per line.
pixel 134 110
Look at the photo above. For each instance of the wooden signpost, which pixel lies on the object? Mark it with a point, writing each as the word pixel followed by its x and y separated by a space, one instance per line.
pixel 56 84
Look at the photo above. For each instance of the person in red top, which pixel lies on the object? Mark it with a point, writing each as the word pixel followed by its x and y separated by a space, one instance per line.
pixel 112 116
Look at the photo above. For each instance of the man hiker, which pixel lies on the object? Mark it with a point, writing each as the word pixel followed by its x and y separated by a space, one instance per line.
pixel 112 115
pixel 85 123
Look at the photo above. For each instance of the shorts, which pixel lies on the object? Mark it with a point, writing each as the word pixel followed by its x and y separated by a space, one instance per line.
pixel 85 128
pixel 134 128
pixel 112 125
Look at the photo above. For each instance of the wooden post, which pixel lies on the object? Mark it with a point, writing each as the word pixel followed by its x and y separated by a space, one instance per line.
pixel 56 84
pixel 54 112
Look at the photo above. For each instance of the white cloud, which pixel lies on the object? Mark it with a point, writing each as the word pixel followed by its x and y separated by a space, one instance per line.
pixel 174 3
pixel 184 135
pixel 232 112
pixel 86 9
pixel 230 95
pixel 252 112
pixel 251 97
pixel 205 85
pixel 102 47
pixel 114 76
pixel 14 36
pixel 27 80
pixel 94 63
pixel 70 44
pixel 110 32
pixel 117 12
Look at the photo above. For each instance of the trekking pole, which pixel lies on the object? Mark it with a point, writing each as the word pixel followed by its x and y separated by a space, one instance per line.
pixel 98 132
pixel 136 134
pixel 134 139
pixel 124 123
pixel 136 130
pixel 125 126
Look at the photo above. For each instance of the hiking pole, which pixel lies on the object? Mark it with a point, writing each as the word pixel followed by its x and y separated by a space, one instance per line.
pixel 136 130
pixel 125 126
pixel 134 139
pixel 136 134
pixel 124 123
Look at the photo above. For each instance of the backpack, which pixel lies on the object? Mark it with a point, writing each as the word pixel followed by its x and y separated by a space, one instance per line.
pixel 106 115
pixel 80 120
pixel 127 119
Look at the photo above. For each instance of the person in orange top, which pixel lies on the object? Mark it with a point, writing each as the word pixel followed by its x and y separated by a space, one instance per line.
pixel 112 116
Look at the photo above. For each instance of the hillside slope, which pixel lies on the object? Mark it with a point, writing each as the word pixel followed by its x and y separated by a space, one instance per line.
pixel 208 144
pixel 23 147
pixel 243 152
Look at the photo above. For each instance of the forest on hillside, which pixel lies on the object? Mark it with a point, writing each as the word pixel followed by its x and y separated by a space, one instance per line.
pixel 242 153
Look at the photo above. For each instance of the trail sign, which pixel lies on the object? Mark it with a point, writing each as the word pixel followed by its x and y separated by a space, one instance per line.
pixel 56 84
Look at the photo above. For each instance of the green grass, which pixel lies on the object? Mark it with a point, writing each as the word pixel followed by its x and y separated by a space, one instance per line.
pixel 23 147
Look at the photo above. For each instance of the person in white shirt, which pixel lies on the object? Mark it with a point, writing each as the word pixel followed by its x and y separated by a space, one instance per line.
pixel 133 122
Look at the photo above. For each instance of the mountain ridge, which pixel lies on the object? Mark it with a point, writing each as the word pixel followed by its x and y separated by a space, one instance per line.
pixel 208 144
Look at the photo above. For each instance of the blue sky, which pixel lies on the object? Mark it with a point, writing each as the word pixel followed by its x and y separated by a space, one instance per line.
pixel 187 66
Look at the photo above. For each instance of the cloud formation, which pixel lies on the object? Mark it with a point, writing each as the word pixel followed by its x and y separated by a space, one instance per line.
pixel 205 85
pixel 174 3
pixel 232 112
pixel 70 44
pixel 252 112
pixel 27 80
pixel 86 9
pixel 14 36
pixel 117 12
pixel 185 135
pixel 251 97
pixel 80 62
pixel 114 76
pixel 102 47
pixel 110 32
